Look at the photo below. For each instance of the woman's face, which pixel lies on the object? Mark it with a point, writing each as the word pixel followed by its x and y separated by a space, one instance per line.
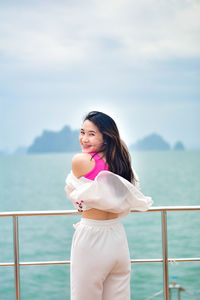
pixel 90 138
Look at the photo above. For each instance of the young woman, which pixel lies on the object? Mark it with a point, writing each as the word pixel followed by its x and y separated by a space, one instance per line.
pixel 103 186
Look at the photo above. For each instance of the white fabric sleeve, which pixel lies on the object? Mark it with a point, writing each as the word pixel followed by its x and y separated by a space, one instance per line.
pixel 108 192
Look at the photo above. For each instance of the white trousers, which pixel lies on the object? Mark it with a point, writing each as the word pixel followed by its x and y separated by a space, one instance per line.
pixel 100 261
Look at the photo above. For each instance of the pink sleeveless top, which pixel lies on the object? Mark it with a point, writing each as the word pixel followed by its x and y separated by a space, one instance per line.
pixel 100 165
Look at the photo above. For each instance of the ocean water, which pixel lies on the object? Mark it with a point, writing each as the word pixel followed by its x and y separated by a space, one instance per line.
pixel 36 182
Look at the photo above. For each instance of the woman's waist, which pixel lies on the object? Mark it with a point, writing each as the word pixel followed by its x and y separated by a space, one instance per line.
pixel 97 214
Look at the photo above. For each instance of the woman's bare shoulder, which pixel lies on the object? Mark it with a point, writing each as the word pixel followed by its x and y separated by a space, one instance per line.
pixel 82 164
pixel 81 158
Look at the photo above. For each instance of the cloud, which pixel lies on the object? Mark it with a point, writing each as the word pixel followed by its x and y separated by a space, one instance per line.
pixel 62 33
pixel 62 58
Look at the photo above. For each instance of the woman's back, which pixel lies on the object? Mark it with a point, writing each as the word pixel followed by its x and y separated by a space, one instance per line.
pixel 84 166
pixel 100 165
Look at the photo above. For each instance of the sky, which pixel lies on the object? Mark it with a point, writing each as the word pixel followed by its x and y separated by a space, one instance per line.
pixel 136 60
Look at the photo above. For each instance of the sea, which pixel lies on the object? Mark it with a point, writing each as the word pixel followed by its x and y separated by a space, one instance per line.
pixel 36 182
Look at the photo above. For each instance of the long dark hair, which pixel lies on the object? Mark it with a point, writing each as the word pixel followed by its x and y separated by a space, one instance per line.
pixel 114 149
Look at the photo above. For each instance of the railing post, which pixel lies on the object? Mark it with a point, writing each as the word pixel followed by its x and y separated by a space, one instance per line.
pixel 16 256
pixel 165 257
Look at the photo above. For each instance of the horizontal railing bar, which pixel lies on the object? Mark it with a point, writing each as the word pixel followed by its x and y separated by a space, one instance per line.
pixel 7 264
pixel 38 263
pixel 153 260
pixel 171 260
pixel 67 262
pixel 39 213
pixel 172 208
pixel 75 212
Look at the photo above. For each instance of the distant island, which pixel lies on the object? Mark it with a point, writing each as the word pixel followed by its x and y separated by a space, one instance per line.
pixel 65 140
pixel 179 146
pixel 155 142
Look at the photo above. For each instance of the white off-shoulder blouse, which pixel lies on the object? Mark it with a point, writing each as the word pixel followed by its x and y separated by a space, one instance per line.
pixel 109 192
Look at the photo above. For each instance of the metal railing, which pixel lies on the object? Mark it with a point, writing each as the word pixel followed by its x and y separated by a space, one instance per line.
pixel 165 260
